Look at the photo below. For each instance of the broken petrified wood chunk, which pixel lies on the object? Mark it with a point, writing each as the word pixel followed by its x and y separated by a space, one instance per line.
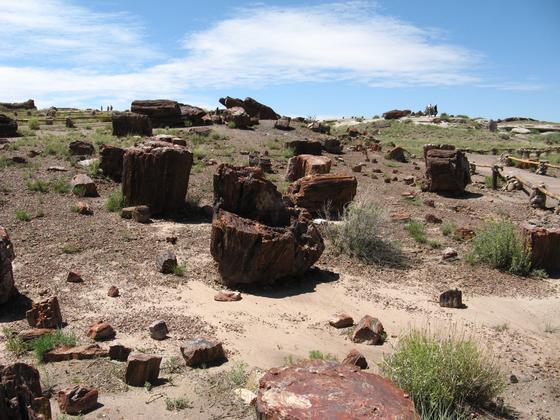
pixel 369 330
pixel 45 314
pixel 302 165
pixel 166 262
pixel 451 299
pixel 321 389
pixel 119 352
pixel 130 124
pixel 161 112
pixel 305 147
pixel 85 352
pixel 32 334
pixel 101 331
pixel 355 358
pixel 202 352
pixel 83 186
pixel 227 296
pixel 142 368
pixel 111 161
pixel 158 330
pixel 77 400
pixel 544 244
pixel 447 170
pixel 341 320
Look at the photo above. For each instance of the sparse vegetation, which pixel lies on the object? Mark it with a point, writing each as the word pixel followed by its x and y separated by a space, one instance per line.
pixel 447 228
pixel 34 124
pixel 417 231
pixel 40 345
pixel 501 327
pixel 318 355
pixel 115 201
pixel 71 249
pixel 179 270
pixel 60 186
pixel 38 185
pixel 22 215
pixel 177 404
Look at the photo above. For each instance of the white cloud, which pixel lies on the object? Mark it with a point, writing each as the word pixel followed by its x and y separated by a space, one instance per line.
pixel 85 52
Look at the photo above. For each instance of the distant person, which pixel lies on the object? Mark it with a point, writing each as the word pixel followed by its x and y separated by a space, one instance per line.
pixel 435 110
pixel 101 107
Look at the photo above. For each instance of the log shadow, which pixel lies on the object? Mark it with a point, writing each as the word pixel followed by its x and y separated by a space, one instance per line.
pixel 467 195
pixel 15 309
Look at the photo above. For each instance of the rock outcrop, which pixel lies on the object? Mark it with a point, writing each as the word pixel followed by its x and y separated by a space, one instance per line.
pixel 303 165
pixel 447 170
pixel 7 255
pixel 8 126
pixel 130 124
pixel 156 174
pixel 305 147
pixel 27 105
pixel 192 115
pixel 317 193
pixel 161 112
pixel 328 390
pixel 395 114
pixel 251 107
pixel 77 400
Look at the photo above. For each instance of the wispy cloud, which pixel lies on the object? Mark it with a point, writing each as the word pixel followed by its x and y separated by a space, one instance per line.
pixel 79 53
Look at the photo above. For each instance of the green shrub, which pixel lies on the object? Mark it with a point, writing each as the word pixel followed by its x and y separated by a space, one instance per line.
pixel 488 182
pixel 176 404
pixel 34 123
pixel 232 124
pixel 115 201
pixel 38 185
pixel 417 231
pixel 22 215
pixel 442 373
pixel 60 186
pixel 48 342
pixel 179 270
pixel 500 245
pixel 318 355
pixel 71 249
pixel 93 169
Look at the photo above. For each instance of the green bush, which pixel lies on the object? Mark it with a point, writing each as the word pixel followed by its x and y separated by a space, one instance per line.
pixel 442 373
pixel 38 185
pixel 60 186
pixel 22 215
pixel 232 124
pixel 34 123
pixel 115 201
pixel 48 342
pixel 500 245
pixel 417 231
pixel 176 404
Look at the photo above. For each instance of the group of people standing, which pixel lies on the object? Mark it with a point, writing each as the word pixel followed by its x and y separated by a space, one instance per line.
pixel 431 110
pixel 109 107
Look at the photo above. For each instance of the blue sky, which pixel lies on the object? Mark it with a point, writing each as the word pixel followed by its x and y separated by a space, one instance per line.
pixel 340 58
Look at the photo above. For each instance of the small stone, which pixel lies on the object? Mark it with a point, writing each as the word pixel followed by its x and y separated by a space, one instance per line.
pixel 448 254
pixel 57 169
pixel 357 168
pixel 77 400
pixel 84 208
pixel 355 358
pixel 246 395
pixel 83 186
pixel 166 262
pixel 171 240
pixel 513 379
pixel 227 296
pixel 74 277
pixel 158 330
pixel 126 212
pixel 369 330
pixel 142 368
pixel 408 180
pixel 341 320
pixel 32 334
pixel 141 214
pixel 432 218
pixel 19 159
pixel 451 299
pixel 101 331
pixel 113 291
pixel 201 351
pixel 119 352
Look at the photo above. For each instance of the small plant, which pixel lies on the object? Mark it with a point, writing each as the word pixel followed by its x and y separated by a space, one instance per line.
pixel 79 190
pixel 177 404
pixel 148 386
pixel 115 201
pixel 318 355
pixel 417 231
pixel 551 329
pixel 47 342
pixel 38 185
pixel 237 375
pixel 173 365
pixel 34 124
pixel 501 327
pixel 415 201
pixel 14 344
pixel 442 373
pixel 22 216
pixel 488 182
pixel 179 270
pixel 500 245
pixel 60 186
pixel 448 228
pixel 93 169
pixel 71 249
pixel 232 124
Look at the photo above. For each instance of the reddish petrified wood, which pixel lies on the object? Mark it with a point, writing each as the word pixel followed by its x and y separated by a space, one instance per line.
pixel 328 390
pixel 317 193
pixel 447 170
pixel 45 314
pixel 544 244
pixel 303 165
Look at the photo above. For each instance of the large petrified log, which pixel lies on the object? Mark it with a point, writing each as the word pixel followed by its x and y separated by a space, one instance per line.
pixel 328 390
pixel 447 170
pixel 162 112
pixel 130 124
pixel 237 116
pixel 305 147
pixel 8 126
pixel 544 244
pixel 29 104
pixel 303 165
pixel 317 193
pixel 395 114
pixel 246 192
pixel 192 115
pixel 251 107
pixel 21 396
pixel 248 251
pixel 7 255
pixel 111 161
pixel 156 174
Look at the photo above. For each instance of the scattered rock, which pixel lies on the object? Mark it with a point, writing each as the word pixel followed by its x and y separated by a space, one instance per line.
pixel 192 115
pixel 429 203
pixel 202 352
pixel 83 186
pixel 341 320
pixel 283 124
pixel 464 233
pixel 227 296
pixel 395 114
pixel 101 331
pixel 432 218
pixel 81 148
pixel 142 368
pixel 369 330
pixel 397 154
pixel 357 168
pixel 7 255
pixel 303 165
pixel 305 147
pixel 520 130
pixel 74 277
pixel 315 192
pixel 32 334
pixel 45 314
pixel 449 253
pixel 130 124
pixel 451 299
pixel 251 107
pixel 408 180
pixel 332 145
pixel 84 208
pixel 57 169
pixel 166 262
pixel 119 352
pixel 319 127
pixel 69 122
pixel 141 214
pixel 85 352
pixel 237 117
pixel 544 244
pixel 355 358
pixel 113 291
pixel 19 159
pixel 77 400
pixel 321 389
pixel 158 330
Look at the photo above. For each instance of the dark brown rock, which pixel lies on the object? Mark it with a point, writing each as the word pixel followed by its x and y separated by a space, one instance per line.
pixel 19 159
pixel 85 352
pixel 8 126
pixel 45 314
pixel 200 351
pixel 237 117
pixel 251 107
pixel 83 208
pixel 341 320
pixel 248 251
pixel 119 352
pixel 355 358
pixel 27 105
pixel 113 291
pixel 303 165
pixel 77 400
pixel 397 154
pixel 305 147
pixel 141 214
pixel 246 192
pixel 451 299
pixel 111 161
pixel 283 124
pixel 369 330
pixel 83 186
pixel 432 218
pixel 321 389
pixel 101 331
pixel 74 277
pixel 192 115
pixel 395 114
pixel 262 162
pixel 161 112
pixel 227 296
pixel 166 262
pixel 156 174
pixel 158 330
pixel 447 171
pixel 34 333
pixel 81 148
pixel 69 122
pixel 130 124
pixel 7 255
pixel 544 245
pixel 142 368
pixel 315 192
pixel 332 145
pixel 319 127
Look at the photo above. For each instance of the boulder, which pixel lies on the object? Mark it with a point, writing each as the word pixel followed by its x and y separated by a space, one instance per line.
pixel 192 115
pixel 398 154
pixel 227 296
pixel 141 214
pixel 319 127
pixel 166 262
pixel 111 161
pixel 544 245
pixel 303 165
pixel 520 130
pixel 69 122
pixel 341 320
pixel 248 251
pixel 332 145
pixel 7 255
pixel 395 114
pixel 156 174
pixel 283 124
pixel 45 314
pixel 449 254
pixel 8 126
pixel 130 124
pixel 316 192
pixel 64 353
pixel 81 148
pixel 355 358
pixel 101 331
pixel 77 400
pixel 161 112
pixel 83 186
pixel 246 192
pixel 493 126
pixel 447 171
pixel 21 397
pixel 305 147
pixel 119 352
pixel 320 389
pixel 200 351
pixel 237 116
pixel 451 299
pixel 251 107
pixel 158 330
pixel 142 368
pixel 29 104
pixel 369 330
